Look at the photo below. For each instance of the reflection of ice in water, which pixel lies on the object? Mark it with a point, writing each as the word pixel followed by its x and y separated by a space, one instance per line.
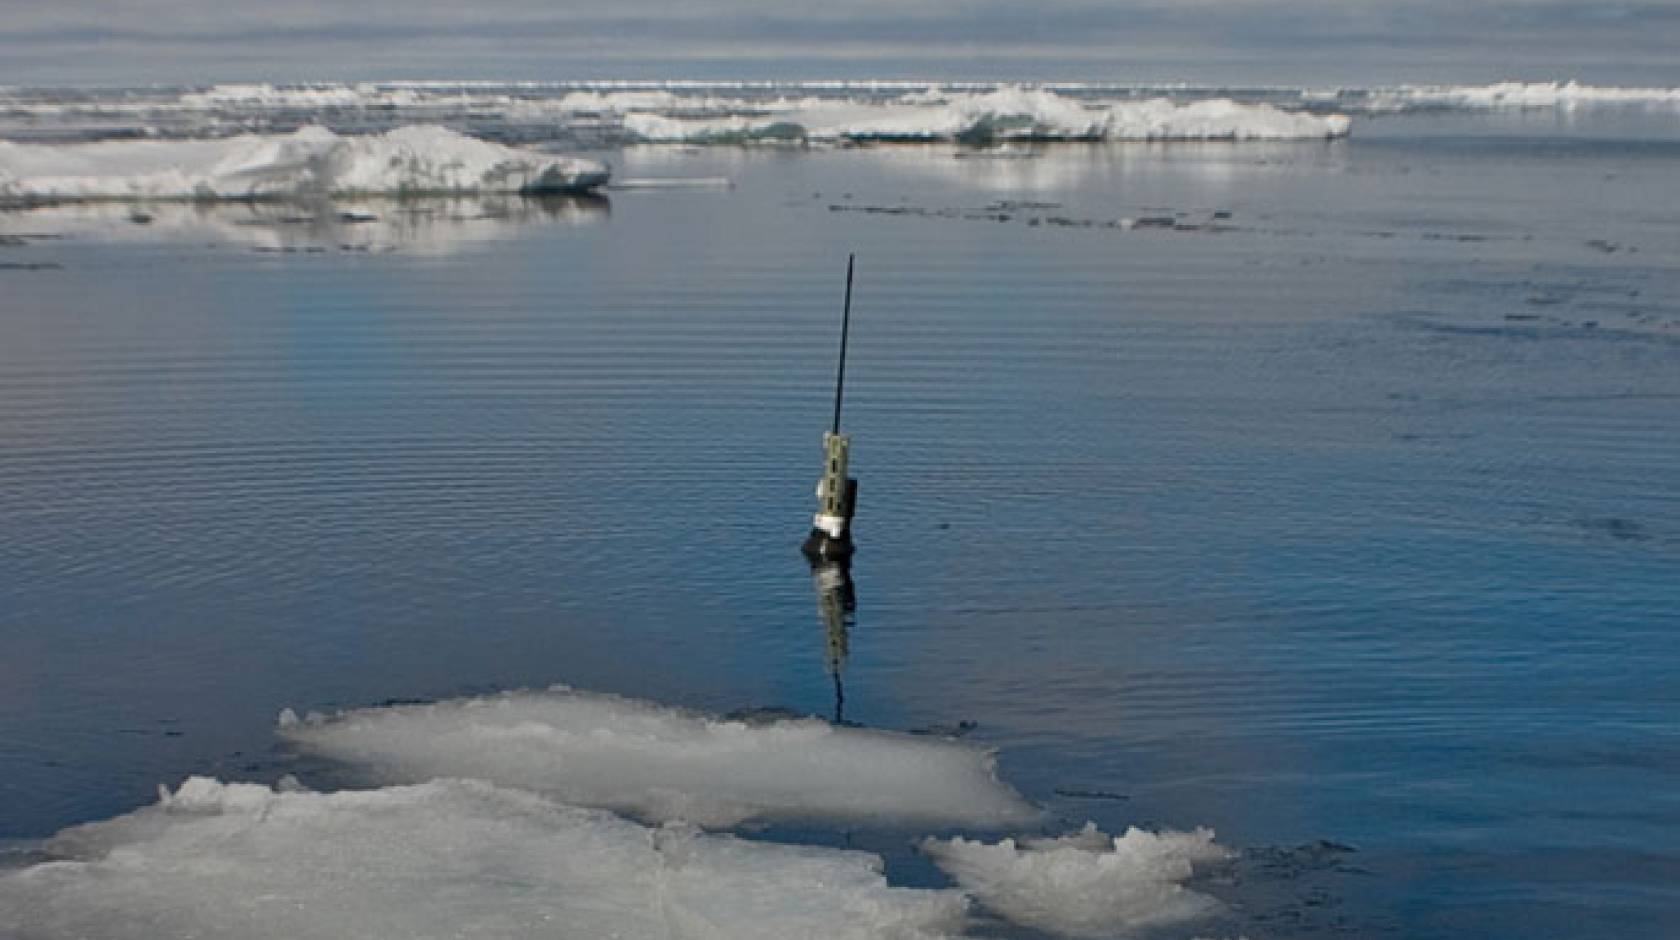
pixel 663 763
pixel 1040 168
pixel 427 226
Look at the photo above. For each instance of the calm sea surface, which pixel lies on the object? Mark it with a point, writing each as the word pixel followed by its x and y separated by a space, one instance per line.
pixel 1340 514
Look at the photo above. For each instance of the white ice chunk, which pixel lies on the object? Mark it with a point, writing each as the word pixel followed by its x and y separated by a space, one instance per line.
pixel 1009 113
pixel 1087 884
pixel 254 96
pixel 661 763
pixel 446 859
pixel 313 161
pixel 622 101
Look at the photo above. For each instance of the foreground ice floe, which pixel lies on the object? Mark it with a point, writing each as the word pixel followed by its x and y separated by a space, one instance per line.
pixel 442 859
pixel 1010 113
pixel 313 161
pixel 661 763
pixel 475 850
pixel 1087 884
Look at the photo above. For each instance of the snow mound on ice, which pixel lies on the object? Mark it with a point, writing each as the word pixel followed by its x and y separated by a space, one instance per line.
pixel 1087 884
pixel 1010 113
pixel 443 859
pixel 661 763
pixel 313 161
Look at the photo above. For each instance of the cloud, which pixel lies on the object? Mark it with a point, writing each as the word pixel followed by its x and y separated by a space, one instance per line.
pixel 79 41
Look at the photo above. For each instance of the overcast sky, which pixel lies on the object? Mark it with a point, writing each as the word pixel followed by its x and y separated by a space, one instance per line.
pixel 1262 41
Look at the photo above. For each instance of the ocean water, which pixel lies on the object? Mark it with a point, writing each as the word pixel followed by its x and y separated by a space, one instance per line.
pixel 1318 492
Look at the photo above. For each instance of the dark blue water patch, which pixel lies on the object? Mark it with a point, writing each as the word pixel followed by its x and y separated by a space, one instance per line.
pixel 1534 328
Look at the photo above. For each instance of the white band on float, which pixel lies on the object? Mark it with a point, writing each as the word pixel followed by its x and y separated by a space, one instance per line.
pixel 835 526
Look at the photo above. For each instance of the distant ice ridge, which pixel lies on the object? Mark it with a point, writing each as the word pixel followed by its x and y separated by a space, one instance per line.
pixel 608 113
pixel 1087 884
pixel 660 764
pixel 745 112
pixel 264 95
pixel 446 859
pixel 1518 95
pixel 1010 113
pixel 514 100
pixel 313 161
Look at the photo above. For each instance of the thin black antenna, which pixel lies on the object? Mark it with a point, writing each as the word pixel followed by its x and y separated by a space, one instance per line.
pixel 845 327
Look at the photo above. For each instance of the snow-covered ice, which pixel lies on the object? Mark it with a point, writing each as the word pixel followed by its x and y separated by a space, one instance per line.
pixel 1563 95
pixel 312 161
pixel 255 95
pixel 609 113
pixel 445 859
pixel 1087 884
pixel 660 763
pixel 507 831
pixel 1009 113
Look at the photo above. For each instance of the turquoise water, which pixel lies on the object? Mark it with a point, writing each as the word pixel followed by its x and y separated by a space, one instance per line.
pixel 1339 517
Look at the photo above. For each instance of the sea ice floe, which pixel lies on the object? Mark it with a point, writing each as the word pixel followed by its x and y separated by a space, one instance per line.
pixel 510 836
pixel 442 859
pixel 1008 113
pixel 313 161
pixel 613 113
pixel 260 95
pixel 1562 95
pixel 659 763
pixel 1087 884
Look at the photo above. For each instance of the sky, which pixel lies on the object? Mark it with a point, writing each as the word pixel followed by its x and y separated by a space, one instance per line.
pixel 1320 42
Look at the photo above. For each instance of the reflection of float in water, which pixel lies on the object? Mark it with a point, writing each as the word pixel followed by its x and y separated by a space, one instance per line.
pixel 837 603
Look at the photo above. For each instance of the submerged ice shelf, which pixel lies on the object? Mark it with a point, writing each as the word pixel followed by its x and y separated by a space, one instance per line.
pixel 311 162
pixel 662 764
